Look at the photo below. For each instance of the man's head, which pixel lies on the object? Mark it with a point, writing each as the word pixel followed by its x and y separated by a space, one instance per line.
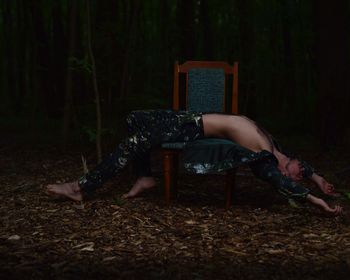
pixel 294 169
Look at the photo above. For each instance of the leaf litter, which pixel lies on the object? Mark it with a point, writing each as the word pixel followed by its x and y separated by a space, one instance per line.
pixel 261 236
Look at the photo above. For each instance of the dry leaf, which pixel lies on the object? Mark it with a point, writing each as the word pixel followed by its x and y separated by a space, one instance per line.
pixel 87 246
pixel 275 251
pixel 14 237
pixel 108 259
pixel 231 250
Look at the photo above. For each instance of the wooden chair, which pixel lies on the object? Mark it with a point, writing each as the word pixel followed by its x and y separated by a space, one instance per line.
pixel 206 90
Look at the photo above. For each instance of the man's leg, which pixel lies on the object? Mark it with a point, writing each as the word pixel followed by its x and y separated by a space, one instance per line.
pixel 141 164
pixel 152 127
pixel 145 180
pixel 174 131
pixel 131 148
pixel 70 190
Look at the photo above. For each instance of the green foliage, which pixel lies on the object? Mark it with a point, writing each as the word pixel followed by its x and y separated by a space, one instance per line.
pixel 347 195
pixel 92 133
pixel 293 203
pixel 118 201
pixel 80 64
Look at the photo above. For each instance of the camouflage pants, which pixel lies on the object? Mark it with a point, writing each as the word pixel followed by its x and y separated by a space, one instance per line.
pixel 147 131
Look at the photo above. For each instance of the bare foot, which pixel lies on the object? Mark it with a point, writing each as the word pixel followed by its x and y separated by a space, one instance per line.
pixel 142 184
pixel 70 190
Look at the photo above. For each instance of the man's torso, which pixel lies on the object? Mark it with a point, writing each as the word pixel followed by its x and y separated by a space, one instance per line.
pixel 239 129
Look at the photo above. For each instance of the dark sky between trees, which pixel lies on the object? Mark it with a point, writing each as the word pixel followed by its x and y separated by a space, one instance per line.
pixel 293 55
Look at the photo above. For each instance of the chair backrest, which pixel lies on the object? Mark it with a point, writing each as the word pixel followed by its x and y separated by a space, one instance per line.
pixel 206 88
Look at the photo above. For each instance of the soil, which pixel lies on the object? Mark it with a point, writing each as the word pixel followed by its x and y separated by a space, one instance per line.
pixel 261 236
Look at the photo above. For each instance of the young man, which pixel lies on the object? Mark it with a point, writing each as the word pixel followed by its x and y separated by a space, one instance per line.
pixel 250 145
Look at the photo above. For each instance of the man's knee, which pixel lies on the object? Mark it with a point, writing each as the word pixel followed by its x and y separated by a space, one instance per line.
pixel 131 121
pixel 130 116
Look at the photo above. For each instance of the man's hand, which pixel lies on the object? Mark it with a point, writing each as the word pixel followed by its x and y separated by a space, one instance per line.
pixel 324 206
pixel 324 186
pixel 334 211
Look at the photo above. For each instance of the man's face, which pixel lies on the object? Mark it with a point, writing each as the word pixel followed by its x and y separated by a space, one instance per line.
pixel 294 170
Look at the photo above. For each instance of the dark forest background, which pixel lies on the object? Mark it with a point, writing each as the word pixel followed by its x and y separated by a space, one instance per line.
pixel 56 54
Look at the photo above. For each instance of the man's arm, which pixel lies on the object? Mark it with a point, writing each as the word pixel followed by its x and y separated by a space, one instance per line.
pixel 269 172
pixel 323 205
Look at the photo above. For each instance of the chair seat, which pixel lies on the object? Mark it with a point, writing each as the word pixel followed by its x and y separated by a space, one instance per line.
pixel 174 145
pixel 212 142
pixel 202 142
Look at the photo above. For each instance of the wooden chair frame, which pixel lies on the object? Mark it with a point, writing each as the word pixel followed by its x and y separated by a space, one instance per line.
pixel 171 156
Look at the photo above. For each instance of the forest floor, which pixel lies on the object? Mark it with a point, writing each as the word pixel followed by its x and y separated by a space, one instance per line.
pixel 260 237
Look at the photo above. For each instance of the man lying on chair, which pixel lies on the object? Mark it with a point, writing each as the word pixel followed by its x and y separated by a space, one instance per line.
pixel 251 145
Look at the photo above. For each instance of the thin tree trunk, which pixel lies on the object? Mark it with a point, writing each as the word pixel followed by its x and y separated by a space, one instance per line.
pixel 289 59
pixel 124 88
pixel 22 38
pixel 42 56
pixel 247 57
pixel 96 91
pixel 3 76
pixel 58 58
pixel 68 100
pixel 207 33
pixel 3 92
pixel 8 50
pixel 164 22
pixel 17 56
pixel 331 22
pixel 186 23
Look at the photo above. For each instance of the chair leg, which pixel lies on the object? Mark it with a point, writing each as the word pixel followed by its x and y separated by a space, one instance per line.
pixel 230 186
pixel 167 168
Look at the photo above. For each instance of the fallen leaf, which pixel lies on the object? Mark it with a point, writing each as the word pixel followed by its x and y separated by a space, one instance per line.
pixel 231 250
pixel 275 251
pixel 108 259
pixel 88 246
pixel 14 237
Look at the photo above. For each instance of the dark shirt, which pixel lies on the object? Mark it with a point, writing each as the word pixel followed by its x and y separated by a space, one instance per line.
pixel 215 155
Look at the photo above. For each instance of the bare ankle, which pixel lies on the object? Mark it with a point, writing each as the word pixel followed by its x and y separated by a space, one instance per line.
pixel 146 178
pixel 76 186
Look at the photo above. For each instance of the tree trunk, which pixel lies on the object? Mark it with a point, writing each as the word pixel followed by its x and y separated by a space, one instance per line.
pixel 207 32
pixel 42 55
pixel 24 88
pixel 124 87
pixel 247 57
pixel 68 100
pixel 96 91
pixel 3 90
pixel 186 24
pixel 289 59
pixel 9 79
pixel 59 60
pixel 331 24
pixel 18 59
